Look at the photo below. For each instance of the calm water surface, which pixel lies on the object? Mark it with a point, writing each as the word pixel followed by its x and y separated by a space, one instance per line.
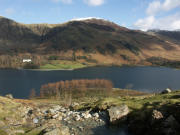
pixel 148 79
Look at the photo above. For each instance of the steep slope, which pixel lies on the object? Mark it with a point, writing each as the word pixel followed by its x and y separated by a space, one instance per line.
pixel 89 35
pixel 102 39
pixel 173 36
pixel 17 37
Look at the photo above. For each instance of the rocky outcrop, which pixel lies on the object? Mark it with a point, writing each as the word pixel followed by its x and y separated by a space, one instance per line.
pixel 170 126
pixel 118 113
pixel 9 96
pixel 168 90
pixel 155 122
pixel 63 130
pixel 46 119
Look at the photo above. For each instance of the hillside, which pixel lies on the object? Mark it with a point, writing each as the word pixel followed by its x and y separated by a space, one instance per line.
pixel 173 36
pixel 97 40
pixel 141 113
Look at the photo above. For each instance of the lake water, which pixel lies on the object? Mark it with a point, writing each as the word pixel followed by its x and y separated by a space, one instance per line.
pixel 148 79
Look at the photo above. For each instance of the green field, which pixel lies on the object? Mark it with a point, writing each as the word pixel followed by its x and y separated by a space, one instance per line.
pixel 57 64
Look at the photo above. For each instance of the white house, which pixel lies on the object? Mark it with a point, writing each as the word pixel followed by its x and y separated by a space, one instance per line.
pixel 27 60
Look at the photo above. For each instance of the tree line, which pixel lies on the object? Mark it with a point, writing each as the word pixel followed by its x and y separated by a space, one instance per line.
pixel 66 88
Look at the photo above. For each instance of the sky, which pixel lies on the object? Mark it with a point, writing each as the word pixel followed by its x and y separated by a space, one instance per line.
pixel 134 14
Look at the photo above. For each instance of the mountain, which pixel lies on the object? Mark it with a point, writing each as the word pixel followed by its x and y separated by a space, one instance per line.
pixel 173 36
pixel 101 39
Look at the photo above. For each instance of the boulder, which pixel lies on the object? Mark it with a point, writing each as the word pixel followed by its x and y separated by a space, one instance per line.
pixel 57 108
pixel 157 115
pixel 118 113
pixel 96 115
pixel 64 130
pixel 63 110
pixel 171 126
pixel 35 120
pixel 86 115
pixel 74 104
pixel 170 122
pixel 18 132
pixel 168 90
pixel 10 96
pixel 51 111
pixel 55 116
pixel 55 131
pixel 81 128
pixel 77 118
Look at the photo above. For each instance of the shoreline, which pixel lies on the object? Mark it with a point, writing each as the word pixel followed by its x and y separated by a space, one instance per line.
pixel 120 66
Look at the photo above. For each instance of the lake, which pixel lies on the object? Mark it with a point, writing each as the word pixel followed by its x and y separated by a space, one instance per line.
pixel 147 79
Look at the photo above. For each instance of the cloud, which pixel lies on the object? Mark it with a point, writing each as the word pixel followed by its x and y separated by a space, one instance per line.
pixel 145 24
pixel 158 6
pixel 94 2
pixel 63 1
pixel 89 2
pixel 171 22
pixel 9 11
pixel 154 21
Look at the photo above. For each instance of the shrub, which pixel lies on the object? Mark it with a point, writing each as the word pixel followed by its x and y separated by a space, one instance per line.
pixel 53 58
pixel 31 66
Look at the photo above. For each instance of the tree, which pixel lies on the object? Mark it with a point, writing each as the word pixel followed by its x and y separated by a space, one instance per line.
pixel 32 94
pixel 74 56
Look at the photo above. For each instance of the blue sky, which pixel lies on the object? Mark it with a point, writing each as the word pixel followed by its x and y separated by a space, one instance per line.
pixel 136 14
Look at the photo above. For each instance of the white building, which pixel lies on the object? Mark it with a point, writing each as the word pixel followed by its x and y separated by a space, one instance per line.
pixel 27 60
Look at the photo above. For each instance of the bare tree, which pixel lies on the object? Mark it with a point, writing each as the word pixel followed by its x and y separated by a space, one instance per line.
pixel 32 94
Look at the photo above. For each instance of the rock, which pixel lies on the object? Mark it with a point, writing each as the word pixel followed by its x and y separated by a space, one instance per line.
pixel 36 130
pixel 166 91
pixel 10 120
pixel 2 123
pixel 10 96
pixel 23 120
pixel 171 126
pixel 118 113
pixel 59 118
pixel 66 119
pixel 77 118
pixel 96 115
pixel 103 114
pixel 19 132
pixel 63 110
pixel 51 111
pixel 81 128
pixel 170 121
pixel 157 115
pixel 63 130
pixel 51 131
pixel 86 115
pixel 74 105
pixel 57 108
pixel 69 113
pixel 55 116
pixel 35 120
pixel 69 122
